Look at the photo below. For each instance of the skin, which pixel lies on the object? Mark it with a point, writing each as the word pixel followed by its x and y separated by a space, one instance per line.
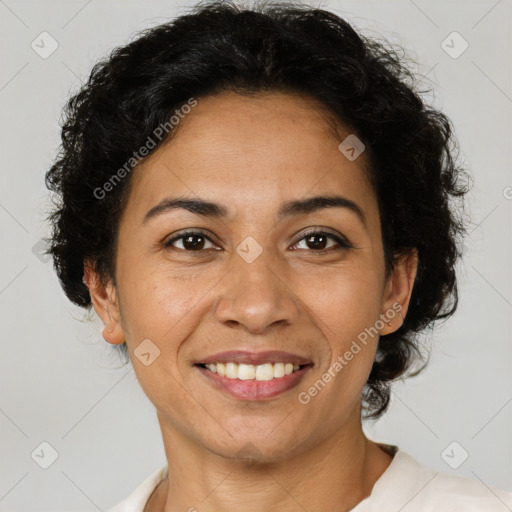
pixel 252 154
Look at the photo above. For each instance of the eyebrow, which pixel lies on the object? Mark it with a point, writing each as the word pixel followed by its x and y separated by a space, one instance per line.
pixel 296 207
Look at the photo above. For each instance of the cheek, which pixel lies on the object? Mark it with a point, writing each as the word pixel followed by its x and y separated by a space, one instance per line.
pixel 156 303
pixel 347 311
pixel 346 303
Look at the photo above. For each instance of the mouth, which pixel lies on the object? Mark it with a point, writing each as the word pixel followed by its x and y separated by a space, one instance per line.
pixel 254 376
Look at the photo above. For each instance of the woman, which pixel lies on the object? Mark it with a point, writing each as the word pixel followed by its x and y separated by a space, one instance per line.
pixel 262 212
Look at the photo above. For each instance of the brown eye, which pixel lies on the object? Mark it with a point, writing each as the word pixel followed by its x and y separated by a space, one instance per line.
pixel 192 241
pixel 317 241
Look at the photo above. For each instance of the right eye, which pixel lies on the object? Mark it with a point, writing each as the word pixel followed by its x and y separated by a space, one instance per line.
pixel 192 241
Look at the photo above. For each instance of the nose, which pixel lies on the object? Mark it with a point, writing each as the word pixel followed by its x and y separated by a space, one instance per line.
pixel 256 296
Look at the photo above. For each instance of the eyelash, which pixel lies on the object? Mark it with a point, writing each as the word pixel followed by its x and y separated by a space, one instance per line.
pixel 342 243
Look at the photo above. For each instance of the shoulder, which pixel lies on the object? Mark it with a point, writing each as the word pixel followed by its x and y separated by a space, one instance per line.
pixel 416 487
pixel 449 493
pixel 138 498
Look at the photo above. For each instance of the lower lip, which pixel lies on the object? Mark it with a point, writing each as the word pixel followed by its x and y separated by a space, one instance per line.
pixel 254 389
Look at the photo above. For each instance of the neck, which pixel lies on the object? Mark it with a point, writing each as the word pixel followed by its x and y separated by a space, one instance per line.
pixel 335 475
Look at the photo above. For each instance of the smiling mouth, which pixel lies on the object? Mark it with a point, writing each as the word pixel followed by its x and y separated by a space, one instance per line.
pixel 261 372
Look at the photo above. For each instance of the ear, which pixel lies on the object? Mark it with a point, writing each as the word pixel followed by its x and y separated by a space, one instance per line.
pixel 398 290
pixel 105 302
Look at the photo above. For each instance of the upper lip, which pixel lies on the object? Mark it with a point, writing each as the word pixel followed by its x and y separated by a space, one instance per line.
pixel 255 358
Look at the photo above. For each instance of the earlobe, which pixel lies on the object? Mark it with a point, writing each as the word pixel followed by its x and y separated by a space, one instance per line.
pixel 113 334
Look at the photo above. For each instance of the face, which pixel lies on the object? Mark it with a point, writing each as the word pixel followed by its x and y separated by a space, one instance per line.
pixel 249 275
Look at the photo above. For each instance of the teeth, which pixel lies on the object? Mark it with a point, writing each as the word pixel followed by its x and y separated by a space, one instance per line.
pixel 246 372
pixel 267 371
pixel 231 370
pixel 279 370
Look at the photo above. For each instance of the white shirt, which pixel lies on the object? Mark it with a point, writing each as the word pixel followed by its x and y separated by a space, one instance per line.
pixel 405 486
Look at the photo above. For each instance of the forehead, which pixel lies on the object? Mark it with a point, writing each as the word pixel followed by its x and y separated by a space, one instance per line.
pixel 252 151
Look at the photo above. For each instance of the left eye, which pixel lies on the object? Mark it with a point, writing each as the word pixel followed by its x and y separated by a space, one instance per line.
pixel 322 238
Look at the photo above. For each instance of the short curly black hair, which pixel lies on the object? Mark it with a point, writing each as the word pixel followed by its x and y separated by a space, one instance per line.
pixel 221 46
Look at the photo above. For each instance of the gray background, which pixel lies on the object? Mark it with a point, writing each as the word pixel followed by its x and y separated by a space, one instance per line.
pixel 60 383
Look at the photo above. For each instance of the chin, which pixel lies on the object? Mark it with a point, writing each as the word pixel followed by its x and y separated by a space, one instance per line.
pixel 253 450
